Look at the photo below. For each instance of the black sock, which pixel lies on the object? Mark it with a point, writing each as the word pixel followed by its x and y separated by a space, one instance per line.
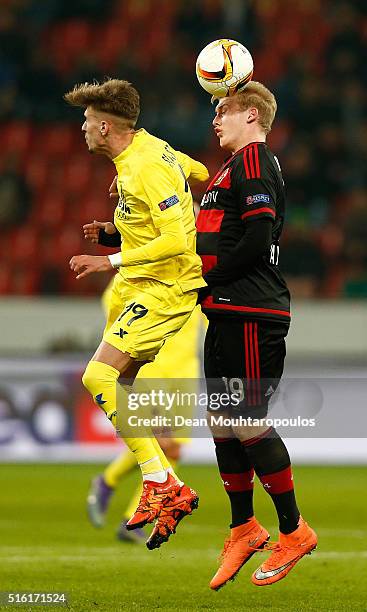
pixel 270 458
pixel 237 475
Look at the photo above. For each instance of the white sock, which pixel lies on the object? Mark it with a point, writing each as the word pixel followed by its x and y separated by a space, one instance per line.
pixel 160 476
pixel 171 471
pixel 155 475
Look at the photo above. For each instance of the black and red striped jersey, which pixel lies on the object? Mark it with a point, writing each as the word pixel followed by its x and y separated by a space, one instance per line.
pixel 246 193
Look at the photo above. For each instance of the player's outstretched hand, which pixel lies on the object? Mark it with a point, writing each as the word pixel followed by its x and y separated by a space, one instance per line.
pixel 113 189
pixel 86 264
pixel 91 230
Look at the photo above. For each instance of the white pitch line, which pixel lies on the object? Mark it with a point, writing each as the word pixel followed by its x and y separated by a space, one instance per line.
pixel 333 554
pixel 348 533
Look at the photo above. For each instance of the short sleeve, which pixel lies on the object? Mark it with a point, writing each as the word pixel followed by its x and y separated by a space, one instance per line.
pixel 157 187
pixel 254 190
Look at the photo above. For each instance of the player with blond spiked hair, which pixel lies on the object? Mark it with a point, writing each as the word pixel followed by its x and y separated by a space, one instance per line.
pixel 156 288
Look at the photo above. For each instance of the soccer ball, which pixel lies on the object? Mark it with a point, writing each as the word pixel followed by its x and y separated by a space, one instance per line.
pixel 223 67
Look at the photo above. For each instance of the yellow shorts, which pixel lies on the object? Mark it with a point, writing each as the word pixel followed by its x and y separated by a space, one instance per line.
pixel 143 313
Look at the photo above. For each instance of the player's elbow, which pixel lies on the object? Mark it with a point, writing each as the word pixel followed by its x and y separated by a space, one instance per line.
pixel 180 245
pixel 259 236
pixel 199 175
pixel 266 243
pixel 204 174
pixel 174 239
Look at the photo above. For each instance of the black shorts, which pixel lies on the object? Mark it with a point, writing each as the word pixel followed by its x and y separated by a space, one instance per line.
pixel 244 357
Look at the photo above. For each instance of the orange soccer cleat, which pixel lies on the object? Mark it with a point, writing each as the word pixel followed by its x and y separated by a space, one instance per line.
pixel 285 554
pixel 171 514
pixel 154 496
pixel 245 540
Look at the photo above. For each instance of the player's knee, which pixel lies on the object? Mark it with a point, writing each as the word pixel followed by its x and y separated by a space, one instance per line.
pixel 220 428
pixel 88 378
pixel 99 375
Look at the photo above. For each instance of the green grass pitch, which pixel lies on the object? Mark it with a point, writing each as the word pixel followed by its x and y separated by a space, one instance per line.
pixel 47 544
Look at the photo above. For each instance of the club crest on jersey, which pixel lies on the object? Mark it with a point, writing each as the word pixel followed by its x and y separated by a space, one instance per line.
pixel 224 179
pixel 257 197
pixel 169 202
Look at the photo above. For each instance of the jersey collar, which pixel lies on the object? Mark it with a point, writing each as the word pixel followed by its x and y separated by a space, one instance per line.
pixel 263 142
pixel 133 146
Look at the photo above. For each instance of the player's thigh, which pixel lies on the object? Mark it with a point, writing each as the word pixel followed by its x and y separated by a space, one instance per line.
pixel 272 351
pixel 113 300
pixel 152 313
pixel 178 357
pixel 217 395
pixel 268 342
pixel 249 358
pixel 223 353
pixel 212 365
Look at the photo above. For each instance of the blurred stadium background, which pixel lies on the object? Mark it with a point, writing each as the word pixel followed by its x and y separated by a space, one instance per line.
pixel 312 54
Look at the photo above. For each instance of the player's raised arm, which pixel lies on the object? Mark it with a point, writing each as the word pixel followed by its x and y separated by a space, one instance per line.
pixel 256 216
pixel 194 171
pixel 156 186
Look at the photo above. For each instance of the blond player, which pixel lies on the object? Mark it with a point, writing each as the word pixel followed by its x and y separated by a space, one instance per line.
pixel 159 274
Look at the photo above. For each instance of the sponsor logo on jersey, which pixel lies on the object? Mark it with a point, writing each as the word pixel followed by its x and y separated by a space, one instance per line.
pixel 122 209
pixel 169 202
pixel 209 197
pixel 257 197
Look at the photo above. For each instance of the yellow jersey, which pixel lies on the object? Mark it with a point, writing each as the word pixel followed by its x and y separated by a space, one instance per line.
pixel 153 191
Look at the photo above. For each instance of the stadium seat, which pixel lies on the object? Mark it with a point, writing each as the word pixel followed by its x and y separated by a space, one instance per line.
pixel 5 280
pixel 24 244
pixel 109 43
pixel 55 140
pixel 78 174
pixel 67 41
pixel 94 208
pixel 17 137
pixel 279 135
pixel 68 242
pixel 36 172
pixel 24 281
pixel 52 211
pixel 269 67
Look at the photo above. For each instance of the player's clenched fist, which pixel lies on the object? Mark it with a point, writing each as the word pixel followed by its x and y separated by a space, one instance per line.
pixel 91 230
pixel 86 264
